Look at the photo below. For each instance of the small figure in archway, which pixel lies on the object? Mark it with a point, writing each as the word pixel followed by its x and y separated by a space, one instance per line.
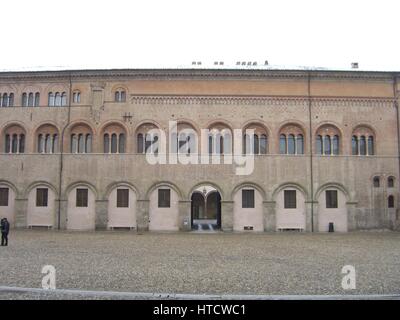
pixel 5 228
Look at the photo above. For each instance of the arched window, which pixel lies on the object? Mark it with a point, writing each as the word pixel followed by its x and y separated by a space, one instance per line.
pixel 390 182
pixel 256 144
pixel 120 95
pixel 263 144
pixel 55 143
pixel 282 144
pixel 21 147
pixel 14 140
pixel 24 100
pixel 363 141
pixel 106 143
pixel 376 182
pixel 7 144
pixel 5 100
pixel 58 99
pixel 63 99
pixel 37 99
pixel 30 99
pixel 363 146
pixel 76 96
pixel 11 100
pixel 51 99
pixel 291 140
pixel 40 143
pixel 300 144
pixel 88 143
pixel 219 139
pixel 327 145
pixel 81 143
pixel 318 145
pixel 121 143
pixel 370 145
pixel 390 201
pixel 48 142
pixel 335 145
pixel 114 142
pixel 327 141
pixel 140 143
pixel 74 143
pixel 291 144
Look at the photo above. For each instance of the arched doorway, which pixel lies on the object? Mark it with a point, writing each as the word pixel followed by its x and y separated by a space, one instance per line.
pixel 206 209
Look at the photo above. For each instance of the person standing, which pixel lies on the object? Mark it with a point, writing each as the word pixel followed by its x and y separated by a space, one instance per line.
pixel 5 228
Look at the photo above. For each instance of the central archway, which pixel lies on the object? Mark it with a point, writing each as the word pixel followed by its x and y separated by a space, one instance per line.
pixel 206 209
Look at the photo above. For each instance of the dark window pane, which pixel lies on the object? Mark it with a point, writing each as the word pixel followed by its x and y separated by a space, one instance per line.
pixel 318 145
pixel 390 182
pixel 331 198
pixel 164 198
pixel 300 144
pixel 4 197
pixel 8 144
pixel 363 147
pixel 291 144
pixel 106 143
pixel 140 143
pixel 122 198
pixel 354 145
pixel 327 145
pixel 390 202
pixel 82 197
pixel 263 144
pixel 42 197
pixel 335 145
pixel 247 198
pixel 376 182
pixel 290 199
pixel 256 145
pixel 371 146
pixel 282 144
pixel 121 143
pixel 113 143
pixel 21 143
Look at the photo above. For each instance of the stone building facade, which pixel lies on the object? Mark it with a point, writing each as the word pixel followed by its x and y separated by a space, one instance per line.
pixel 326 149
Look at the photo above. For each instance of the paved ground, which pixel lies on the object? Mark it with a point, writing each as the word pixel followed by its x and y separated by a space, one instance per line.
pixel 194 263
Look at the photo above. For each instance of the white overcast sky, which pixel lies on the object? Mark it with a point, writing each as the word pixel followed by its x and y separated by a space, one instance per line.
pixel 44 34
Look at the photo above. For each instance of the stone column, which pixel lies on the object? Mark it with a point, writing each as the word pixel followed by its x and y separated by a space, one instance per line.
pixel 351 215
pixel 101 210
pixel 185 223
pixel 142 215
pixel 311 216
pixel 63 214
pixel 269 216
pixel 227 215
pixel 21 209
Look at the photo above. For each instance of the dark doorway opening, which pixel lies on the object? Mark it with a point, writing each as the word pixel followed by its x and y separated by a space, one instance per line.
pixel 206 211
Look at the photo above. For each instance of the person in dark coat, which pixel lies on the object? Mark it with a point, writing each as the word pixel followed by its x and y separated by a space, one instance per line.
pixel 5 229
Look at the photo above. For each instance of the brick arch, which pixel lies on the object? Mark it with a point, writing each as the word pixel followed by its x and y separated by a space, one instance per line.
pixel 13 127
pixel 79 126
pixel 164 184
pixel 46 127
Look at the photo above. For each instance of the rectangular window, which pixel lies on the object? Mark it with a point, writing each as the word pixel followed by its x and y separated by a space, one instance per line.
pixel 164 198
pixel 122 198
pixel 82 197
pixel 247 198
pixel 331 199
pixel 42 197
pixel 4 197
pixel 290 199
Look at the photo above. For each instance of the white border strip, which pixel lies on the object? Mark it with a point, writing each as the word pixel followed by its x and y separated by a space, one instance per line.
pixel 183 296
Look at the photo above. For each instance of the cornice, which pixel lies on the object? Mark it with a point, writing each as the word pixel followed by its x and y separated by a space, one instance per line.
pixel 259 100
pixel 207 74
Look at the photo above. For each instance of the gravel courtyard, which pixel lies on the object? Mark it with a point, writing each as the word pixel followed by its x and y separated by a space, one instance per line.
pixel 194 263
